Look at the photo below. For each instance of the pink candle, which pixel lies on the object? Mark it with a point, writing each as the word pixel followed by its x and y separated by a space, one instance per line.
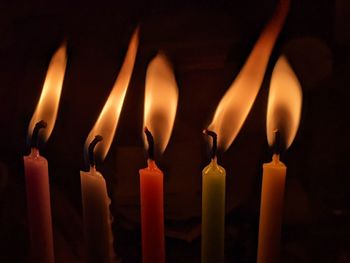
pixel 39 209
pixel 36 166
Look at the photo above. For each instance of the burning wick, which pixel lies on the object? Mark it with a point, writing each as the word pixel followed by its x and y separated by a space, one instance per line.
pixel 277 143
pixel 35 137
pixel 214 136
pixel 91 149
pixel 150 141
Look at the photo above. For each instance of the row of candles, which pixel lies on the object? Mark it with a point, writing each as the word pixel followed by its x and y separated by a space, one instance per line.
pixel 161 96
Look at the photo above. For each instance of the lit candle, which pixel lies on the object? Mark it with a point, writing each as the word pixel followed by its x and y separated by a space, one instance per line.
pixel 96 214
pixel 161 96
pixel 213 208
pixel 228 119
pixel 36 166
pixel 283 116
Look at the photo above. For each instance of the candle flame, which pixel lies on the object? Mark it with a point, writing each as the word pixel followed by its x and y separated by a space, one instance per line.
pixel 284 103
pixel 47 106
pixel 107 121
pixel 161 96
pixel 239 98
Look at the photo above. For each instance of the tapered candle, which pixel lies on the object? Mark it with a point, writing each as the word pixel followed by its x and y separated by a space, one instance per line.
pixel 96 214
pixel 36 166
pixel 213 208
pixel 38 205
pixel 152 209
pixel 97 218
pixel 228 119
pixel 161 96
pixel 283 116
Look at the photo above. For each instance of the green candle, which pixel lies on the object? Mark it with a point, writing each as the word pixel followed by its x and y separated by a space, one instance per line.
pixel 213 209
pixel 213 212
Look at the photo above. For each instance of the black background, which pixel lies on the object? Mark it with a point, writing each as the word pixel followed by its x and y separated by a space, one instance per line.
pixel 208 42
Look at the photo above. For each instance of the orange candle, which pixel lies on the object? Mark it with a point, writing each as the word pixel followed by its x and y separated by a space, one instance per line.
pixel 283 116
pixel 161 96
pixel 152 211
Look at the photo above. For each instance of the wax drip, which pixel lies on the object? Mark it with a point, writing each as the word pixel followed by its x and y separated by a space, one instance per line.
pixel 150 141
pixel 215 142
pixel 35 136
pixel 91 149
pixel 277 142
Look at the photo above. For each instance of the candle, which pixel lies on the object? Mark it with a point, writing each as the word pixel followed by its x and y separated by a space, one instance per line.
pixel 36 166
pixel 213 208
pixel 161 96
pixel 228 119
pixel 152 210
pixel 96 214
pixel 283 116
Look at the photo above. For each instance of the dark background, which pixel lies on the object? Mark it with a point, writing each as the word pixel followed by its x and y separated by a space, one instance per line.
pixel 208 42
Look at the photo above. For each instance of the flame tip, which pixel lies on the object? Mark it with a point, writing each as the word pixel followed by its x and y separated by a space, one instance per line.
pixel 107 121
pixel 161 98
pixel 284 103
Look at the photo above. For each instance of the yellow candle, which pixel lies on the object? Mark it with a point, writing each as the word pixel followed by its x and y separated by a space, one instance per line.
pixel 213 212
pixel 272 193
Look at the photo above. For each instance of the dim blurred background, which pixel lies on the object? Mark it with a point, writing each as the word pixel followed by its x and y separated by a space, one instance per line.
pixel 207 42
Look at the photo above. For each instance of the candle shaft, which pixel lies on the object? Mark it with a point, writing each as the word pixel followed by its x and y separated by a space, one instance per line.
pixel 271 210
pixel 39 208
pixel 152 214
pixel 213 213
pixel 97 218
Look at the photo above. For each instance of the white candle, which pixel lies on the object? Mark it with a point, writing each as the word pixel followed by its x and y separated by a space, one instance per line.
pixel 97 217
pixel 96 213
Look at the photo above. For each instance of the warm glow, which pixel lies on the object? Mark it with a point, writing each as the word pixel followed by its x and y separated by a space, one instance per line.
pixel 161 96
pixel 284 104
pixel 106 123
pixel 47 106
pixel 239 98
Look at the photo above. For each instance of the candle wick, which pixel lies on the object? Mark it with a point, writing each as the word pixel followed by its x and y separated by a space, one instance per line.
pixel 214 136
pixel 150 141
pixel 35 135
pixel 91 149
pixel 277 142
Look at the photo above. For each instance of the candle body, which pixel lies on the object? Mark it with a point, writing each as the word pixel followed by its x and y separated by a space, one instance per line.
pixel 271 210
pixel 152 214
pixel 39 208
pixel 213 213
pixel 97 218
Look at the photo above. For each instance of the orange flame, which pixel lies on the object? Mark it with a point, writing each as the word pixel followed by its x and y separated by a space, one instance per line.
pixel 284 103
pixel 107 122
pixel 239 98
pixel 47 106
pixel 161 96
